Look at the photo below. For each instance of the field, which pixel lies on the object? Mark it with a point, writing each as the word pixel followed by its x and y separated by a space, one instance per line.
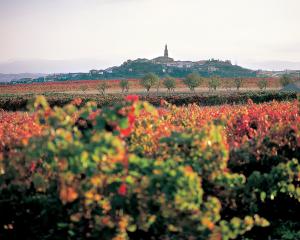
pixel 90 86
pixel 17 97
pixel 135 171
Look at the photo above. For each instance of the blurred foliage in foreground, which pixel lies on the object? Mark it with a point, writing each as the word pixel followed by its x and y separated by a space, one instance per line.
pixel 131 171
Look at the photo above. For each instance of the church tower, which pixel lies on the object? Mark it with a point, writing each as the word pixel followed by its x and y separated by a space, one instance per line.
pixel 166 54
pixel 163 59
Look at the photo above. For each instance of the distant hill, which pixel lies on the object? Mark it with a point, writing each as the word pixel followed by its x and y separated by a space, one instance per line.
pixel 139 67
pixel 165 65
pixel 10 77
pixel 292 73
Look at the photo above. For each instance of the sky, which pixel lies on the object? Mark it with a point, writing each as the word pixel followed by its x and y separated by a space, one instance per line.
pixel 78 35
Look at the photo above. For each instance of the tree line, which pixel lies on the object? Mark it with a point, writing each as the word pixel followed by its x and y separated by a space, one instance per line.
pixel 191 81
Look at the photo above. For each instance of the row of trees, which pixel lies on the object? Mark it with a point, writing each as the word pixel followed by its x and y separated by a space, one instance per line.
pixel 192 81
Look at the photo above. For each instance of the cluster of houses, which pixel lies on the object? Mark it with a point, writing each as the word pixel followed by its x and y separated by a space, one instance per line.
pixel 170 62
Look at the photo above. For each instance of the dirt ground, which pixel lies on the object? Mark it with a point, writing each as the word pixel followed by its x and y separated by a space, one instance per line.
pixel 164 90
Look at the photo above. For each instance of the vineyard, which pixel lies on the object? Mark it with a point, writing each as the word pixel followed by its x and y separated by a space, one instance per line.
pixel 134 171
pixel 20 102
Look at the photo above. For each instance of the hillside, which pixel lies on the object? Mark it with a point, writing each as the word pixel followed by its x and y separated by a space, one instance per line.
pixel 137 68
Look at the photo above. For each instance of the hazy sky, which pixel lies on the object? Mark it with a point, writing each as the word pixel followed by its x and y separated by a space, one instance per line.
pixel 100 33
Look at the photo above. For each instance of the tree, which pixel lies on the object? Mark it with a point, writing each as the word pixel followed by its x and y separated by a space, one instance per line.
pixel 169 83
pixel 228 84
pixel 214 83
pixel 83 88
pixel 262 84
pixel 158 85
pixel 238 82
pixel 285 79
pixel 102 87
pixel 124 84
pixel 192 81
pixel 149 80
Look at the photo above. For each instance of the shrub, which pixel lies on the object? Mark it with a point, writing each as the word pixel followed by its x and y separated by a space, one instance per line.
pixel 192 81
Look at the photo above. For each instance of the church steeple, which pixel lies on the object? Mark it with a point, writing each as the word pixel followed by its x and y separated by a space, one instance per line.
pixel 166 54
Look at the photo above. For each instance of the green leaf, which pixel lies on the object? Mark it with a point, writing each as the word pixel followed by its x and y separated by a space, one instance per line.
pixel 62 225
pixel 132 228
pixel 263 196
pixel 123 123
